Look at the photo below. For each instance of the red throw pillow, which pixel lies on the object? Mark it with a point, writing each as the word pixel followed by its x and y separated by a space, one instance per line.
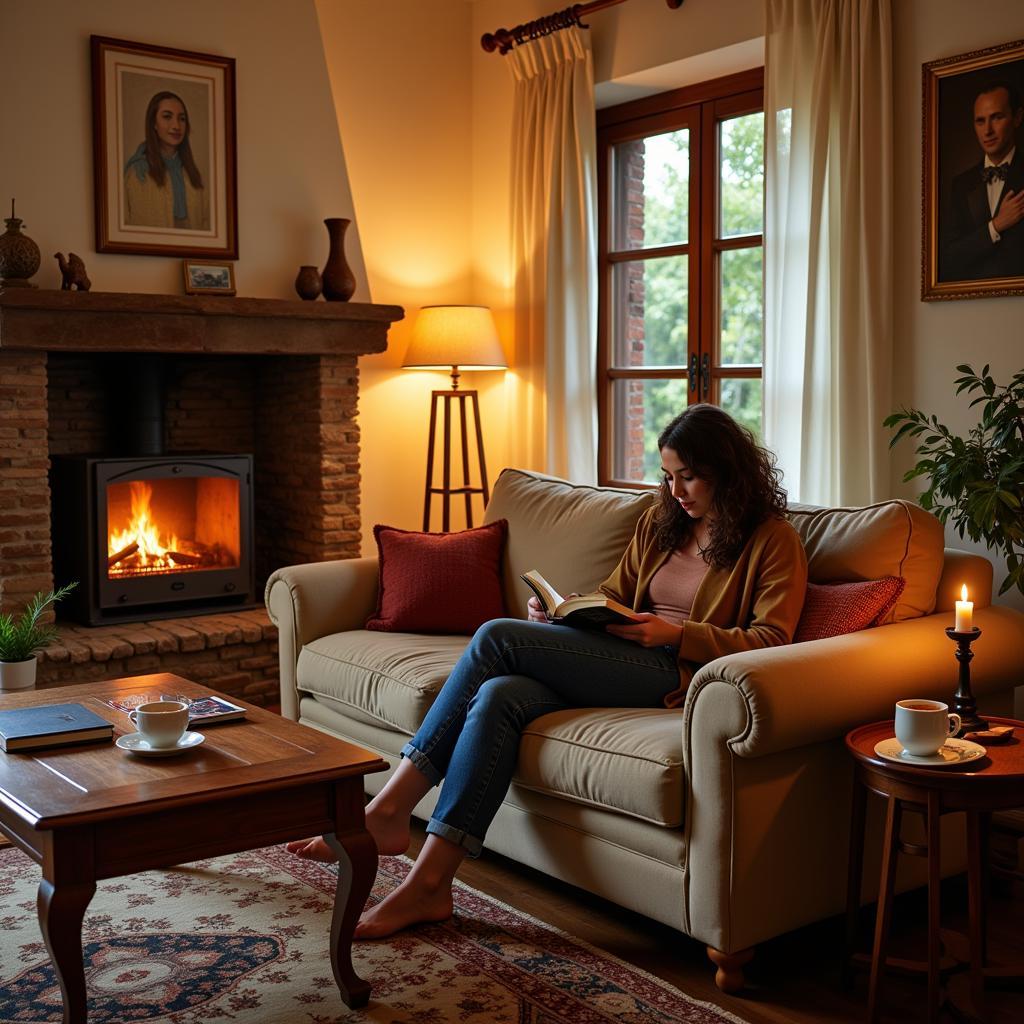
pixel 439 582
pixel 832 609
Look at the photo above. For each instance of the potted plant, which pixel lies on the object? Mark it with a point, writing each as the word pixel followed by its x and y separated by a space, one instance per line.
pixel 977 480
pixel 23 637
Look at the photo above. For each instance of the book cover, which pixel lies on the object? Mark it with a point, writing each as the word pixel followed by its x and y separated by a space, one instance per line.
pixel 201 709
pixel 51 725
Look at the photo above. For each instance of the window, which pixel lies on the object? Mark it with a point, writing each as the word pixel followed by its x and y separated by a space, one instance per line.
pixel 681 200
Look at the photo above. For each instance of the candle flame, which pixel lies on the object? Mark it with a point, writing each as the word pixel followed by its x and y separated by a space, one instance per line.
pixel 963 592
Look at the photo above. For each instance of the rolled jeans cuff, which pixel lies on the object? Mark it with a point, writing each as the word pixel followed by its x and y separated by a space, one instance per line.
pixel 422 763
pixel 472 845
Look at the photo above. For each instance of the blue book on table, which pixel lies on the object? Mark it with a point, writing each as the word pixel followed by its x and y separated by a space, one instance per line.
pixel 51 725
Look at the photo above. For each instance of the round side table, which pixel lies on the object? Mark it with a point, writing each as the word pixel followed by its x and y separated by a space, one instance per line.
pixel 993 783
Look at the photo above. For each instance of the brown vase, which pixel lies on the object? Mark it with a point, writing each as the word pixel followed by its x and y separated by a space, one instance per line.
pixel 19 255
pixel 308 283
pixel 339 284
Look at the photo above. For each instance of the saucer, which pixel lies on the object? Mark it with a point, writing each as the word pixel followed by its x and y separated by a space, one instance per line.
pixel 952 752
pixel 135 744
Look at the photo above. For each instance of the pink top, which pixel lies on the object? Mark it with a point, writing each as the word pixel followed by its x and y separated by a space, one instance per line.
pixel 674 585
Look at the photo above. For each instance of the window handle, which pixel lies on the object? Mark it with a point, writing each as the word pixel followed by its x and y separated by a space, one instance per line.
pixel 693 371
pixel 705 376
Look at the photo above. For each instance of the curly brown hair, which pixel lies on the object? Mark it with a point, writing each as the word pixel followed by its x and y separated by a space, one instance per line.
pixel 714 447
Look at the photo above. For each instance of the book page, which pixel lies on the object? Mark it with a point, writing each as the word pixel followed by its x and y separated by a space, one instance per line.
pixel 546 594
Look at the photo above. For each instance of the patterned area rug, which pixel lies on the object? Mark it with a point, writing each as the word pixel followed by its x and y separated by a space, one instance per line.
pixel 244 939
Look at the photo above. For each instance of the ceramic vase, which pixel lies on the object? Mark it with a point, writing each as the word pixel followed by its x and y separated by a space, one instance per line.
pixel 338 282
pixel 17 675
pixel 19 255
pixel 308 283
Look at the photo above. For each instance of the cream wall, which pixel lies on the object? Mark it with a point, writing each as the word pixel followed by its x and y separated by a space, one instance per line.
pixel 933 337
pixel 291 169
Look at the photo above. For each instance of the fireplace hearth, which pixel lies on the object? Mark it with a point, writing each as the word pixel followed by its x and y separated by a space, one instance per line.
pixel 154 536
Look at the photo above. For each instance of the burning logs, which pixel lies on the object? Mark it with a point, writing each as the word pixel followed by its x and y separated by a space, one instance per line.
pixel 181 558
pixel 120 556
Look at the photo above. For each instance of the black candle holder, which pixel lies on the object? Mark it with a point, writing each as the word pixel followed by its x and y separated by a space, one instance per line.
pixel 964 703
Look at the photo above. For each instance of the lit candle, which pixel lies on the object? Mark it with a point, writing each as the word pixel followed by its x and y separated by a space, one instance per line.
pixel 964 612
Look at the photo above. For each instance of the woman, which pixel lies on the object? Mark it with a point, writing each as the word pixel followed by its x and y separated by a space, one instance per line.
pixel 713 568
pixel 162 185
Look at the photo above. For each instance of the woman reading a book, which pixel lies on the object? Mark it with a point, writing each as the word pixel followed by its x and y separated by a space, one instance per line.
pixel 713 568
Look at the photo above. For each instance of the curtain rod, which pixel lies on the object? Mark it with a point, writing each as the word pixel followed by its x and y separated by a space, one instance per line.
pixel 503 39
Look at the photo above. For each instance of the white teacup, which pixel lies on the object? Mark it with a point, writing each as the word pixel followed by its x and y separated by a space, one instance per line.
pixel 161 723
pixel 923 726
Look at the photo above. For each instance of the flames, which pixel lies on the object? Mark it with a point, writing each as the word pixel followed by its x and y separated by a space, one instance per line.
pixel 142 547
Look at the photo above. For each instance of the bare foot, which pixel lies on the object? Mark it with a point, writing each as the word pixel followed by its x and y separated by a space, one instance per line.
pixel 312 849
pixel 390 831
pixel 406 906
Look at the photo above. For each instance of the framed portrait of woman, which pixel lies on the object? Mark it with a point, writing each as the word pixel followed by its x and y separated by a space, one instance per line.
pixel 164 151
pixel 973 170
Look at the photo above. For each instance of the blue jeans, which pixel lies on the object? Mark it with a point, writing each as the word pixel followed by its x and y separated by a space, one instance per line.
pixel 512 672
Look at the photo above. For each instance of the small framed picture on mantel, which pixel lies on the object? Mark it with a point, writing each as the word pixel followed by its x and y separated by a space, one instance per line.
pixel 208 277
pixel 163 151
pixel 973 170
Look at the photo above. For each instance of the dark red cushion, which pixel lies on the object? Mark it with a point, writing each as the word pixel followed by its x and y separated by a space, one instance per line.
pixel 439 582
pixel 832 609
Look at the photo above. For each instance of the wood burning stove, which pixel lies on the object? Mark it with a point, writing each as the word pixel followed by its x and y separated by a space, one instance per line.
pixel 153 536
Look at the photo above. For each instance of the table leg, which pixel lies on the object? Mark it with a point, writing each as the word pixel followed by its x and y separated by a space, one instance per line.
pixel 933 817
pixel 886 882
pixel 976 909
pixel 854 874
pixel 61 911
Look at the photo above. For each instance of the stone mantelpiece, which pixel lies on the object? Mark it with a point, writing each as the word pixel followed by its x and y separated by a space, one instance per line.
pixel 275 378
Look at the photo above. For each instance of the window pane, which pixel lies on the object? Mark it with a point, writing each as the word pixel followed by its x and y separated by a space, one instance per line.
pixel 741 170
pixel 741 307
pixel 741 398
pixel 641 409
pixel 652 189
pixel 649 311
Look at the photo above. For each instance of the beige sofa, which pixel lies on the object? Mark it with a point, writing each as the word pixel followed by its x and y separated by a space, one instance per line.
pixel 726 819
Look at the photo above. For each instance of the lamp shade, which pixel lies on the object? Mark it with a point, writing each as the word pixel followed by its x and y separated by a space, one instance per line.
pixel 462 336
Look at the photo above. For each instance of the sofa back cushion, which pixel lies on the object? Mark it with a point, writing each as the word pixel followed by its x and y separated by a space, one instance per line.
pixel 891 538
pixel 573 534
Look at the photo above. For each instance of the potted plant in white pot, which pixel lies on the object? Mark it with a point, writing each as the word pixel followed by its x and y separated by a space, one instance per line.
pixel 23 637
pixel 976 481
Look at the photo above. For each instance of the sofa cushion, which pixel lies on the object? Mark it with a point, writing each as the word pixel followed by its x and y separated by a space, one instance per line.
pixel 573 534
pixel 834 609
pixel 892 538
pixel 439 582
pixel 628 760
pixel 379 678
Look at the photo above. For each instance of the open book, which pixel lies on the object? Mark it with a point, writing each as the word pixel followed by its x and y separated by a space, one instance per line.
pixel 584 611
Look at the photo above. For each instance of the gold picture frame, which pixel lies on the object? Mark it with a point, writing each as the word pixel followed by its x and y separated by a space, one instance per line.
pixel 963 97
pixel 164 151
pixel 208 277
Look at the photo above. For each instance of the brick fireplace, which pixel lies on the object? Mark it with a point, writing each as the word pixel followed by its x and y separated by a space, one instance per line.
pixel 275 379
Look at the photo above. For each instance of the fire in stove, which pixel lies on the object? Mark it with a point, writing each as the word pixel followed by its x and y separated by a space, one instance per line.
pixel 172 526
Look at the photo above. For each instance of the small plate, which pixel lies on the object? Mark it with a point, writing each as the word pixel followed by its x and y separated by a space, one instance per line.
pixel 135 744
pixel 952 752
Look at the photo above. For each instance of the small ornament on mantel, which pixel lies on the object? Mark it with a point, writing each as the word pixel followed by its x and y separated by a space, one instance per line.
pixel 19 255
pixel 72 272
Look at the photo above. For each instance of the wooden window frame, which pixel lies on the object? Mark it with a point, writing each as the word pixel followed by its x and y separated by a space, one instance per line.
pixel 700 108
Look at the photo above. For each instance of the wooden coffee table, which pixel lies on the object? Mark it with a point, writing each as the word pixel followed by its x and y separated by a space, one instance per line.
pixel 91 811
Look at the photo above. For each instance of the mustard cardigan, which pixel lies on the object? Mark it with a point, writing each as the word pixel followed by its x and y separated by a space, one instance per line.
pixel 756 603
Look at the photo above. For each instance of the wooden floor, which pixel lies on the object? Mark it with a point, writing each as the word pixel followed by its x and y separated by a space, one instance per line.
pixel 795 978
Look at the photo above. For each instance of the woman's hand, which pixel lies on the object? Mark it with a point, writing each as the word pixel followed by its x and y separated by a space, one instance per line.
pixel 535 610
pixel 650 631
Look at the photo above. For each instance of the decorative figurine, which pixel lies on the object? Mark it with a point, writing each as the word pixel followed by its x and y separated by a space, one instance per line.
pixel 19 255
pixel 72 272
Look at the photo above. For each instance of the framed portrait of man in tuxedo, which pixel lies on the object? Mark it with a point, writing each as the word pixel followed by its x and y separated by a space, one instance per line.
pixel 973 171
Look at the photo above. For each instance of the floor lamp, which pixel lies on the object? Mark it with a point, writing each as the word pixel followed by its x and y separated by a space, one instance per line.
pixel 454 338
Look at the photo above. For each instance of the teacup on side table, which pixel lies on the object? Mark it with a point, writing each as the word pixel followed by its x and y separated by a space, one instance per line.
pixel 978 785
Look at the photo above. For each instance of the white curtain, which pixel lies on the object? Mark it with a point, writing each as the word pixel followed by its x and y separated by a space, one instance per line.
pixel 828 247
pixel 553 424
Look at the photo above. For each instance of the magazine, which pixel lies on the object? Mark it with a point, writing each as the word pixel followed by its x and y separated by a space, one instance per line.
pixel 201 709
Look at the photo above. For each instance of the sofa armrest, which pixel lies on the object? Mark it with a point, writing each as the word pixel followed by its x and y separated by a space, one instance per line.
pixel 309 601
pixel 816 691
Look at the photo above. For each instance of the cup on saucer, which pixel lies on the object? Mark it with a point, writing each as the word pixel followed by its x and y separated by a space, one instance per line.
pixel 161 723
pixel 923 726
